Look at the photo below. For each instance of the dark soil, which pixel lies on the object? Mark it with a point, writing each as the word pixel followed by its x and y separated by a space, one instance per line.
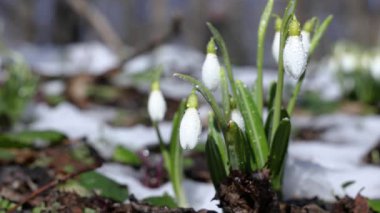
pixel 248 193
pixel 307 134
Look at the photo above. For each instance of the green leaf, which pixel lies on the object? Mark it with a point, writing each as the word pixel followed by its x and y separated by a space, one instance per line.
pixel 263 25
pixel 226 58
pixel 225 94
pixel 253 124
pixel 279 147
pixel 347 184
pixel 272 94
pixel 126 156
pixel 219 140
pixel 206 93
pixel 374 204
pixel 215 162
pixel 161 201
pixel 29 138
pixel 268 123
pixel 103 186
pixel 319 34
pixel 237 148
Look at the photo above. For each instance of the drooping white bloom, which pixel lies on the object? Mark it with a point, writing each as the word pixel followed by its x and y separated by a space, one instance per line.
pixel 295 57
pixel 156 105
pixel 348 62
pixel 211 71
pixel 305 40
pixel 190 129
pixel 375 67
pixel 238 118
pixel 276 46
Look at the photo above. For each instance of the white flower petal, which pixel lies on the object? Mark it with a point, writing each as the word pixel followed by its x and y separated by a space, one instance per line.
pixel 156 106
pixel 295 57
pixel 276 46
pixel 190 129
pixel 348 62
pixel 211 71
pixel 238 118
pixel 305 41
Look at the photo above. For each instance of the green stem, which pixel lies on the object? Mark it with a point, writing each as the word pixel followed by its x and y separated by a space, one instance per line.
pixel 293 99
pixel 260 54
pixel 280 82
pixel 164 151
pixel 174 174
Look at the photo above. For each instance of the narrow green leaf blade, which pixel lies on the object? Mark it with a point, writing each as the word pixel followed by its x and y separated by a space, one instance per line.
pixel 225 93
pixel 219 140
pixel 253 124
pixel 319 34
pixel 103 186
pixel 215 162
pixel 161 201
pixel 237 148
pixel 279 147
pixel 268 123
pixel 263 25
pixel 126 156
pixel 29 138
pixel 272 94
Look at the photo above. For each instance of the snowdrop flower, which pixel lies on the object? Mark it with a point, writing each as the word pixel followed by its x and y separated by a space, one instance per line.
pixel 348 62
pixel 375 67
pixel 295 57
pixel 238 119
pixel 276 40
pixel 156 103
pixel 211 67
pixel 190 127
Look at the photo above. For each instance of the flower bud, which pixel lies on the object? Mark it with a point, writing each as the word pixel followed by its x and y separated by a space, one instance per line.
pixel 295 57
pixel 238 119
pixel 156 103
pixel 211 67
pixel 190 127
pixel 276 40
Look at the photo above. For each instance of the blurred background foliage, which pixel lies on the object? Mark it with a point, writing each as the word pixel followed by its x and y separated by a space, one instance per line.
pixel 136 22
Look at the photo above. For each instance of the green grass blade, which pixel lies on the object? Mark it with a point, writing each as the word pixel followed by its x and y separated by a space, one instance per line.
pixel 260 53
pixel 226 58
pixel 206 93
pixel 253 124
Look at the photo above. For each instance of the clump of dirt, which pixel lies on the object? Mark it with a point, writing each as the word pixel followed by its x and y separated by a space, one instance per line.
pixel 350 205
pixel 307 134
pixel 248 193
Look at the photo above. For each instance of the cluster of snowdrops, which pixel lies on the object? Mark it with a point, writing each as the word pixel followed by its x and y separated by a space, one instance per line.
pixel 238 136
